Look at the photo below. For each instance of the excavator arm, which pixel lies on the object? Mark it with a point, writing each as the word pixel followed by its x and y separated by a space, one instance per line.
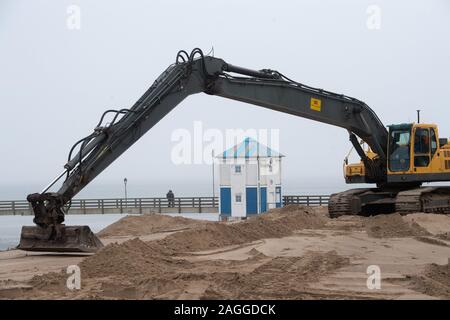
pixel 284 95
pixel 193 73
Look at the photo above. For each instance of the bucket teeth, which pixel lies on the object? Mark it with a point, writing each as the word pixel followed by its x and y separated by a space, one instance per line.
pixel 59 239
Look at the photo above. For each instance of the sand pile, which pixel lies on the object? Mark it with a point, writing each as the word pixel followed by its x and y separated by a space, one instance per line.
pixel 168 269
pixel 278 278
pixel 130 270
pixel 274 224
pixel 433 241
pixel 147 224
pixel 50 282
pixel 203 235
pixel 433 281
pixel 392 226
pixel 138 269
pixel 433 223
pixel 258 277
pixel 131 259
pixel 444 236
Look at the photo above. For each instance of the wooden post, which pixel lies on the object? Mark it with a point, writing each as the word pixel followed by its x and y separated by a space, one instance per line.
pixel 13 203
pixel 179 205
pixel 199 205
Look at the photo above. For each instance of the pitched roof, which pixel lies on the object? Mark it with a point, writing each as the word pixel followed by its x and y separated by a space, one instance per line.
pixel 249 148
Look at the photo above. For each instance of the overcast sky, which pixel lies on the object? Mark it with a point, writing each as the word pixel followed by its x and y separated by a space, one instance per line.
pixel 56 82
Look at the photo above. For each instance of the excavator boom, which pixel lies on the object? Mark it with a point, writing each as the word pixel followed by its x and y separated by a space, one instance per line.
pixel 195 73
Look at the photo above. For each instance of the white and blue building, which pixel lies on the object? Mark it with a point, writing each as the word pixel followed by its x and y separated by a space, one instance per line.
pixel 250 179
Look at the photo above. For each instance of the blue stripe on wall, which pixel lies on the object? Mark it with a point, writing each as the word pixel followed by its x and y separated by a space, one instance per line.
pixel 263 204
pixel 225 201
pixel 251 198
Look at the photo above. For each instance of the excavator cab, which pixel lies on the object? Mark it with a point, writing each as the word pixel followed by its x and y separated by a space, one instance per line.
pixel 416 154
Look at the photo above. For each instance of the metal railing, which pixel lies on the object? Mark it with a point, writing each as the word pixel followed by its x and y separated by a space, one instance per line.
pixel 134 205
pixel 146 205
pixel 309 200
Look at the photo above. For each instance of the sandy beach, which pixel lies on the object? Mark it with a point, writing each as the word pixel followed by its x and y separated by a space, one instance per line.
pixel 289 253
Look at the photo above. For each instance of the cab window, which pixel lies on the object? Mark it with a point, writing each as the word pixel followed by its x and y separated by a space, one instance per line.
pixel 399 150
pixel 422 147
pixel 434 144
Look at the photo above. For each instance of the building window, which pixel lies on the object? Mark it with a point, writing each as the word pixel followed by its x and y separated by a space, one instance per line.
pixel 238 197
pixel 278 194
pixel 237 169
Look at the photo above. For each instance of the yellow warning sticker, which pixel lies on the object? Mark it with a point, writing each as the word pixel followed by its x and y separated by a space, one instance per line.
pixel 316 104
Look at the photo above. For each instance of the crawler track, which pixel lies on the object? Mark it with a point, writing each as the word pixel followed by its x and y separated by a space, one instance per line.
pixel 429 199
pixel 364 201
pixel 342 203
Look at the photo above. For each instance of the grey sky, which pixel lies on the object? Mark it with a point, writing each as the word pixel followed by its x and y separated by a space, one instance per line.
pixel 56 82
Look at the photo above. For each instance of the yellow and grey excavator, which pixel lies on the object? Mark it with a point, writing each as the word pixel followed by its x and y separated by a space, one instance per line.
pixel 398 159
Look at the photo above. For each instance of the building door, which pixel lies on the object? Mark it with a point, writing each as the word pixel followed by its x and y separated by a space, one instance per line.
pixel 225 201
pixel 251 195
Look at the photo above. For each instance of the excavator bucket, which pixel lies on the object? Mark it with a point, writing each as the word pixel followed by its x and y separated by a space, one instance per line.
pixel 67 239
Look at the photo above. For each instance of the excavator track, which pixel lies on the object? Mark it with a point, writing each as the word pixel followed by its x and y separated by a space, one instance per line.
pixel 375 201
pixel 409 201
pixel 342 203
pixel 428 199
